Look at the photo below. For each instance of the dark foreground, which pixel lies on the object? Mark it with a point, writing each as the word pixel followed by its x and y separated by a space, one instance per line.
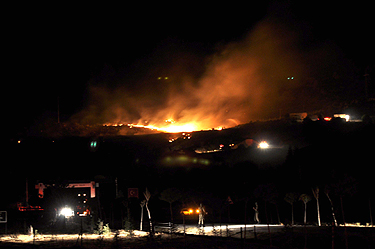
pixel 297 237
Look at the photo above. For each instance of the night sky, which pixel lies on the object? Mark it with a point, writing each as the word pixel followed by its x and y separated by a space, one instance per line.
pixel 59 52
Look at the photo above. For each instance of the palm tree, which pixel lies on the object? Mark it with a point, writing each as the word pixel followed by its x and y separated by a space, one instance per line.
pixel 148 196
pixel 142 205
pixel 316 195
pixel 269 193
pixel 305 198
pixel 170 195
pixel 327 191
pixel 291 198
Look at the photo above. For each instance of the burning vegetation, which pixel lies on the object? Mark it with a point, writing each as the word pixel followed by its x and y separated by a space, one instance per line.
pixel 270 72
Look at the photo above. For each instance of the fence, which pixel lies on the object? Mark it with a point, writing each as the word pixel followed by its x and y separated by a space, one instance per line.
pixel 234 231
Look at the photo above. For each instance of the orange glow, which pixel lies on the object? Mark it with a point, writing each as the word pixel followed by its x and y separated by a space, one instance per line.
pixel 84 213
pixel 327 118
pixel 171 127
pixel 190 211
pixel 29 208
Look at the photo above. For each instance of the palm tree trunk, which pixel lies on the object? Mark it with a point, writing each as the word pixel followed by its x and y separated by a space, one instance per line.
pixel 292 215
pixel 317 207
pixel 141 225
pixel 170 209
pixel 332 209
pixel 149 217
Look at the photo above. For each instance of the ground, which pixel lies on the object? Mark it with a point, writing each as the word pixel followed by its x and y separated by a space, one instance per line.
pixel 296 237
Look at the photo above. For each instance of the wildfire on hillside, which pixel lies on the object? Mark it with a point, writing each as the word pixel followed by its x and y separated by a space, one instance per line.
pixel 169 126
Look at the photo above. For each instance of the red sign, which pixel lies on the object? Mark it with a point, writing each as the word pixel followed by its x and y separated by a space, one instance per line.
pixel 132 192
pixel 28 208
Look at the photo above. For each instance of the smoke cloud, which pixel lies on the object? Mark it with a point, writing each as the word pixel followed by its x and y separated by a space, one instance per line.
pixel 242 81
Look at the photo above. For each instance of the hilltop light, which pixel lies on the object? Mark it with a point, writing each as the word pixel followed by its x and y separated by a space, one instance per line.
pixel 263 145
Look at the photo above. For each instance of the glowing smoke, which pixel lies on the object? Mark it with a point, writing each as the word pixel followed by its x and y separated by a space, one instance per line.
pixel 245 80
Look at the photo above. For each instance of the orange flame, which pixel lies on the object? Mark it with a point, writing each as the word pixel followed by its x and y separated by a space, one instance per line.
pixel 174 128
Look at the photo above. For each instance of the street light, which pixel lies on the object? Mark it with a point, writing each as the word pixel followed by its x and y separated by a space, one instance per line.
pixel 187 211
pixel 263 145
pixel 67 212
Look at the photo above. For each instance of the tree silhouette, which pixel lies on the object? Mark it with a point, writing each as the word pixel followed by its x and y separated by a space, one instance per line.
pixel 170 195
pixel 147 195
pixel 291 198
pixel 142 205
pixel 316 195
pixel 345 186
pixel 268 193
pixel 327 191
pixel 305 198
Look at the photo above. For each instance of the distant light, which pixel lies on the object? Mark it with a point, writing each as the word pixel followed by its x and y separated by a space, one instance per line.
pixel 263 145
pixel 343 116
pixel 159 78
pixel 67 212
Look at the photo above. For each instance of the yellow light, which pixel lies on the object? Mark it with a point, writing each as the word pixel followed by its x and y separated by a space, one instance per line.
pixel 190 211
pixel 197 211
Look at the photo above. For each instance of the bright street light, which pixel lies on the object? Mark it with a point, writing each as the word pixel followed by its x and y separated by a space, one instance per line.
pixel 67 212
pixel 263 145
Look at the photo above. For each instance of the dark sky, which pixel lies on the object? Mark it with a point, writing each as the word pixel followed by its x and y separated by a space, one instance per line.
pixel 56 51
